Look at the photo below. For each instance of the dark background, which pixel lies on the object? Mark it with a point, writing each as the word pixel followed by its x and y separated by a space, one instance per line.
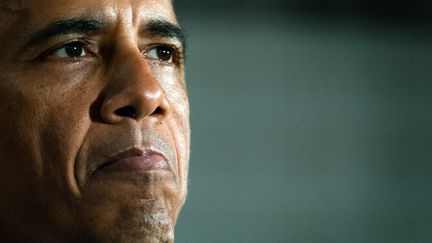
pixel 311 121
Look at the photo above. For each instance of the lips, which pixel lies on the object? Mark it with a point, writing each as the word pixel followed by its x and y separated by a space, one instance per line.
pixel 136 159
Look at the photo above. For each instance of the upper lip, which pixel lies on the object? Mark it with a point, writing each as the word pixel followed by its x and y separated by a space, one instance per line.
pixel 131 152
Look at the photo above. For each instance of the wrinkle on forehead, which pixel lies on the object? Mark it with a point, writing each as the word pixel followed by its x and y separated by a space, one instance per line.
pixel 11 5
pixel 10 10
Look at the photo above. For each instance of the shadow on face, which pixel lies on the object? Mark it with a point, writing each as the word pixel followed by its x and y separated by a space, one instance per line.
pixel 95 121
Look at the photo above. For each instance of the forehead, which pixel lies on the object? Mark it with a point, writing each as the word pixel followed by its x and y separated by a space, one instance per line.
pixel 11 4
pixel 40 12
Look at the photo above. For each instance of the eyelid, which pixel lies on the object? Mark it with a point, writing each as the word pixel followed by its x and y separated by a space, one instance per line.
pixel 85 44
pixel 178 56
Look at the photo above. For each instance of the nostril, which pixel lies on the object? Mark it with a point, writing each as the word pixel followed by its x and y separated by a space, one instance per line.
pixel 158 111
pixel 127 111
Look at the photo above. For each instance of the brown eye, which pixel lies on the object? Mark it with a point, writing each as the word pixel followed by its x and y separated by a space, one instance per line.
pixel 161 53
pixel 71 50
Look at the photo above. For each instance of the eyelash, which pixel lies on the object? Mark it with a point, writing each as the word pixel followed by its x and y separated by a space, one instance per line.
pixel 51 52
pixel 176 56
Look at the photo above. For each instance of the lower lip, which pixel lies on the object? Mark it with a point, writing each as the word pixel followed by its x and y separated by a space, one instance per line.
pixel 139 163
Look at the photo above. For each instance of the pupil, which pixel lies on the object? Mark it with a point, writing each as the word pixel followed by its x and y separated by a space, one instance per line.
pixel 74 50
pixel 164 53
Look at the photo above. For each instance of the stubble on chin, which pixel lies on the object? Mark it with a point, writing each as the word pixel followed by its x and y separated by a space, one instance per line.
pixel 143 222
pixel 148 227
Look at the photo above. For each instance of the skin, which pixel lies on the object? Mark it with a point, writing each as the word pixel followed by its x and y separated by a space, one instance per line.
pixel 60 121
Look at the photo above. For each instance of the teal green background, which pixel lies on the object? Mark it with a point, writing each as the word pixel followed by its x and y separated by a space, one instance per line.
pixel 306 127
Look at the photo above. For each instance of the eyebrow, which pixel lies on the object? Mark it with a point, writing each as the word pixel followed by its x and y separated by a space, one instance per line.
pixel 165 29
pixel 156 27
pixel 65 27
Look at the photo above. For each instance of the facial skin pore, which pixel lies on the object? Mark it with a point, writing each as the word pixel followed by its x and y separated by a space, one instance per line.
pixel 94 138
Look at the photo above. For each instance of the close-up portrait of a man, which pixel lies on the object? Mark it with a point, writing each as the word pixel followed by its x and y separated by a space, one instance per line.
pixel 94 124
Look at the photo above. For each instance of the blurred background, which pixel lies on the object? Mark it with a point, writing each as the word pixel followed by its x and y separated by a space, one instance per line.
pixel 311 121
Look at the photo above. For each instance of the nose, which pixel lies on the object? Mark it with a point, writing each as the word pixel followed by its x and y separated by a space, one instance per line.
pixel 133 92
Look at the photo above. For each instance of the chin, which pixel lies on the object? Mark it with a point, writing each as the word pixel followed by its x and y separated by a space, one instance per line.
pixel 144 227
pixel 144 221
pixel 120 210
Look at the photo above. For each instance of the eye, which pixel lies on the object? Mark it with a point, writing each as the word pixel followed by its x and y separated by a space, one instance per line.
pixel 71 50
pixel 162 53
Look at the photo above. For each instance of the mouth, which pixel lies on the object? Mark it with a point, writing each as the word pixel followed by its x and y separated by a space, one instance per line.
pixel 135 160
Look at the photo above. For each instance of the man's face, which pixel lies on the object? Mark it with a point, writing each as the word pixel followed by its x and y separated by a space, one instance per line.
pixel 94 138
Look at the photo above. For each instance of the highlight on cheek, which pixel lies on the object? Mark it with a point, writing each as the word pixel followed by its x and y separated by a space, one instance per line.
pixel 168 76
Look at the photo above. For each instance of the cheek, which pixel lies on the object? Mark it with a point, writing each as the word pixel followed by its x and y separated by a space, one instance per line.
pixel 18 142
pixel 46 125
pixel 181 131
pixel 38 142
pixel 61 135
pixel 173 84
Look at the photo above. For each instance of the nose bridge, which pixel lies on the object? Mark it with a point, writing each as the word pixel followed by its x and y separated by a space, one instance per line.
pixel 132 90
pixel 131 71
